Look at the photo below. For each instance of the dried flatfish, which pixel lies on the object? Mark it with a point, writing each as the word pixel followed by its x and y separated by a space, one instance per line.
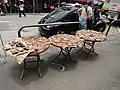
pixel 91 35
pixel 14 51
pixel 64 40
pixel 21 53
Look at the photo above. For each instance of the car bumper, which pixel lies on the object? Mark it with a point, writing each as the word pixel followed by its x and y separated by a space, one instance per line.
pixel 44 32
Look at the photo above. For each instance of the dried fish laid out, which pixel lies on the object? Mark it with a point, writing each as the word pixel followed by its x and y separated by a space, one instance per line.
pixel 35 43
pixel 20 48
pixel 91 35
pixel 15 46
pixel 65 40
pixel 17 49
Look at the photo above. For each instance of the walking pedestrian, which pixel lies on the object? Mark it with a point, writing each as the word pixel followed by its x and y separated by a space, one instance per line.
pixel 45 8
pixel 21 9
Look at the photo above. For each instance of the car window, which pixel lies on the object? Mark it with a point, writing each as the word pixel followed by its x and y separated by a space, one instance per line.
pixel 60 15
pixel 56 11
pixel 56 17
pixel 57 14
pixel 59 10
pixel 71 17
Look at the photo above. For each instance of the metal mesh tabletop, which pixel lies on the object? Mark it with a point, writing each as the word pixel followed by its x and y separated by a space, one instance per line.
pixel 20 48
pixel 65 40
pixel 38 44
pixel 91 35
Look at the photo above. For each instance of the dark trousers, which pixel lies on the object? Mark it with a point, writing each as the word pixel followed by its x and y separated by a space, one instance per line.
pixel 22 12
pixel 89 23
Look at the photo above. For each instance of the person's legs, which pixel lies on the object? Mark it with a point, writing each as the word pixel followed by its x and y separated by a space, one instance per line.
pixel 83 23
pixel 89 24
pixel 19 13
pixel 23 13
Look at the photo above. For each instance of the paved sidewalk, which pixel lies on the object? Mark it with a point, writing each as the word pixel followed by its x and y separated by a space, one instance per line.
pixel 100 72
pixel 28 13
pixel 16 23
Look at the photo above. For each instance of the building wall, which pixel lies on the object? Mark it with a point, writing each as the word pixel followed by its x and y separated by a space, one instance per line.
pixel 0 1
pixel 33 6
pixel 30 6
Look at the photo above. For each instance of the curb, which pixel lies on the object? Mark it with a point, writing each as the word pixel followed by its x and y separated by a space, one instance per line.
pixel 28 13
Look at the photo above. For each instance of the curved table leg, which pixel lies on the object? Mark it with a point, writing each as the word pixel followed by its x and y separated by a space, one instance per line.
pixel 39 72
pixel 90 44
pixel 23 71
pixel 62 68
pixel 22 74
pixel 68 51
pixel 80 48
pixel 58 55
pixel 65 52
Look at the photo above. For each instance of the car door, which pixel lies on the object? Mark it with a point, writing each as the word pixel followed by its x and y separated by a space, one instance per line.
pixel 71 17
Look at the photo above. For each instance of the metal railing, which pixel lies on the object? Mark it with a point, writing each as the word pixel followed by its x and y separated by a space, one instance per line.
pixel 5 55
pixel 39 25
pixel 62 23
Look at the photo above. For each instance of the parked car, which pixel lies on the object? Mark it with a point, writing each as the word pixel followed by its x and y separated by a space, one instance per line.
pixel 66 13
pixel 61 14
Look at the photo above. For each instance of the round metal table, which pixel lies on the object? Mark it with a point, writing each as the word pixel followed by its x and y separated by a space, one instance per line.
pixel 65 42
pixel 90 37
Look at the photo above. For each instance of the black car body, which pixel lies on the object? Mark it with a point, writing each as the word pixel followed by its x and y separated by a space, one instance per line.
pixel 62 14
pixel 66 13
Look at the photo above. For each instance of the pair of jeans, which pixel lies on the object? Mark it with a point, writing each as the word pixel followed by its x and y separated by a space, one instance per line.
pixel 83 23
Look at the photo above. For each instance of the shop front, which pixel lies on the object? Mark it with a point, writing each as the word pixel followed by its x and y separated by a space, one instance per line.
pixel 35 6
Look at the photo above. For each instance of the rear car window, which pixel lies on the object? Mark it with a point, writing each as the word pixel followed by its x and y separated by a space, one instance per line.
pixel 59 10
pixel 57 14
pixel 71 17
pixel 56 17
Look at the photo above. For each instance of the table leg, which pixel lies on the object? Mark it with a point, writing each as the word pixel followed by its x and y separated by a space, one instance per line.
pixel 38 69
pixel 22 74
pixel 91 49
pixel 80 49
pixel 68 51
pixel 62 68
pixel 57 55
pixel 23 71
